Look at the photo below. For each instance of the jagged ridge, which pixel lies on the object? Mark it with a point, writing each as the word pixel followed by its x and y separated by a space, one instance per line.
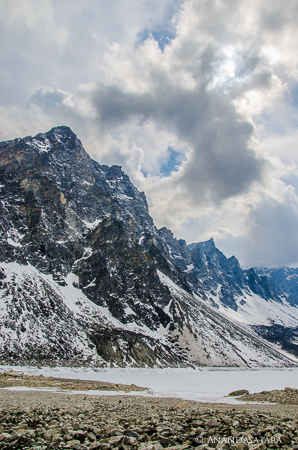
pixel 78 245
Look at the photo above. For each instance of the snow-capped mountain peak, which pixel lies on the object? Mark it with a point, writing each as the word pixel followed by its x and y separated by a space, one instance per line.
pixel 86 276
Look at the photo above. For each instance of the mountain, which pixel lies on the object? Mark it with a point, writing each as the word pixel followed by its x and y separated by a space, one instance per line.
pixel 284 334
pixel 264 299
pixel 87 278
pixel 285 278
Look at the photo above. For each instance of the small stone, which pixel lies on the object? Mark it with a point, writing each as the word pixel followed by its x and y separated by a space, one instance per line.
pixel 96 431
pixel 129 440
pixel 54 422
pixel 260 446
pixel 238 392
pixel 98 445
pixel 12 373
pixel 242 446
pixel 79 435
pixel 281 439
pixel 5 437
pixel 212 423
pixel 47 435
pixel 180 447
pixel 276 429
pixel 91 436
pixel 112 432
pixel 22 426
pixel 223 446
pixel 124 447
pixel 31 433
pixel 227 420
pixel 165 442
pixel 67 437
pixel 72 443
pixel 131 433
pixel 257 435
pixel 151 446
pixel 143 438
pixel 115 440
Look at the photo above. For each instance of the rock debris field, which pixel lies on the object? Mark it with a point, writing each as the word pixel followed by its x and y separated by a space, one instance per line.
pixel 51 420
pixel 12 378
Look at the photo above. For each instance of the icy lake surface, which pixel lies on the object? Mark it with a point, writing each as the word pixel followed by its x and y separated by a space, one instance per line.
pixel 199 384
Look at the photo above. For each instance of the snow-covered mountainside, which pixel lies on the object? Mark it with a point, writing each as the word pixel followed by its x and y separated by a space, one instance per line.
pixel 265 299
pixel 285 334
pixel 287 280
pixel 86 277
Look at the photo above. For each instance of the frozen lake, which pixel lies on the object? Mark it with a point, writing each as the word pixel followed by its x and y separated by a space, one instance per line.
pixel 200 384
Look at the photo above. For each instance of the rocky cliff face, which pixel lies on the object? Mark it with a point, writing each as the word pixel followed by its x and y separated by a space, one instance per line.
pixel 283 334
pixel 86 276
pixel 264 299
pixel 285 278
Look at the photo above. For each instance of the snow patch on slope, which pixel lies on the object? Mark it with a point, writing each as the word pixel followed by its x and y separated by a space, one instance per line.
pixel 213 339
pixel 255 310
pixel 35 319
pixel 68 316
pixel 42 145
pixel 13 243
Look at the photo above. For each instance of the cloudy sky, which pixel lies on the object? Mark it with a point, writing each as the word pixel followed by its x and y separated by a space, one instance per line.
pixel 196 99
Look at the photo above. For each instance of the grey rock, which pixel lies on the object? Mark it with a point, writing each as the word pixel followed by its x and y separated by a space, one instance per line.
pixel 282 439
pixel 116 440
pixel 151 446
pixel 211 423
pixel 131 433
pixel 70 221
pixel 5 437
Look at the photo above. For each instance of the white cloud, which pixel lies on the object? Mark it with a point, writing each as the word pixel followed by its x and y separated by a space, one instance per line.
pixel 219 93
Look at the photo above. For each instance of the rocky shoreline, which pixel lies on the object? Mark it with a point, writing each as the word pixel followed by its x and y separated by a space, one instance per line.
pixel 47 421
pixel 287 396
pixel 44 420
pixel 12 378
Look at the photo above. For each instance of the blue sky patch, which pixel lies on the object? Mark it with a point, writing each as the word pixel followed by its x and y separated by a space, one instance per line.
pixel 173 161
pixel 162 37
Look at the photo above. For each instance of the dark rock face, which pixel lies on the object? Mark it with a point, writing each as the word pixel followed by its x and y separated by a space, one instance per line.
pixel 285 337
pixel 80 256
pixel 233 280
pixel 210 274
pixel 62 212
pixel 224 279
pixel 285 279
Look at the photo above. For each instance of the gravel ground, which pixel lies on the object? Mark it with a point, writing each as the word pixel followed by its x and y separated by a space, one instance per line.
pixel 47 420
pixel 43 420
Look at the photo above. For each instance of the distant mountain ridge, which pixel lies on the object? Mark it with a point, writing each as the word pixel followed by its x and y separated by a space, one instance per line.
pixel 286 278
pixel 86 277
pixel 266 299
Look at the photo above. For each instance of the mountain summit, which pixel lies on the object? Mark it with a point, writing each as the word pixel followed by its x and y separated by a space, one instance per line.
pixel 86 277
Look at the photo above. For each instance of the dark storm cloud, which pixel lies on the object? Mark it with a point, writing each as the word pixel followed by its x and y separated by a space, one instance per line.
pixel 222 162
